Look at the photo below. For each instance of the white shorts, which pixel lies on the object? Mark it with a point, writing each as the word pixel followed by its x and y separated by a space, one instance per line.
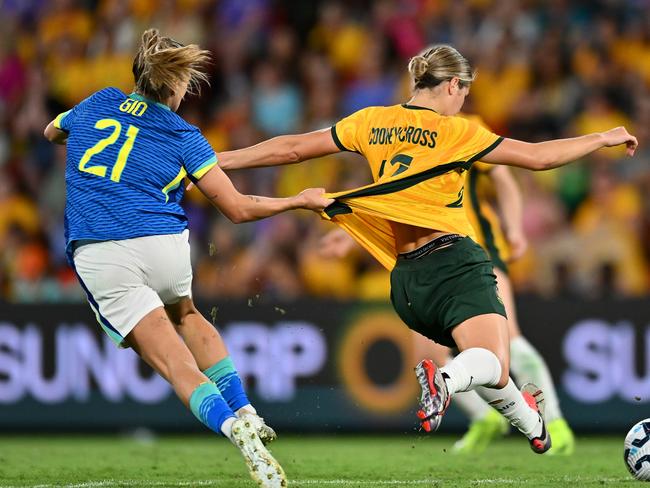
pixel 125 280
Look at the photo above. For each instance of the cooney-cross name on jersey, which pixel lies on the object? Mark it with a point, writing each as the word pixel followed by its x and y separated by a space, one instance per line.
pixel 410 134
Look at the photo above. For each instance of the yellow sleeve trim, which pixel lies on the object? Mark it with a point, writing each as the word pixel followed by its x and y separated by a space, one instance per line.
pixel 59 119
pixel 205 167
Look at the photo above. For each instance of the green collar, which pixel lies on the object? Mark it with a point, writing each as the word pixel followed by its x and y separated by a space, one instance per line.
pixel 137 96
pixel 416 107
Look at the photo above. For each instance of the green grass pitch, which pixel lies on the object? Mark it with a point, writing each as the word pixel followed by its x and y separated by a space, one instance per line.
pixel 310 461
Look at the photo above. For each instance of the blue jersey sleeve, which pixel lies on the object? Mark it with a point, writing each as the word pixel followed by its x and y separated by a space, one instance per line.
pixel 65 120
pixel 198 155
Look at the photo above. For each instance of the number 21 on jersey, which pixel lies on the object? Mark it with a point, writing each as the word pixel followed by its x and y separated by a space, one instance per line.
pixel 122 155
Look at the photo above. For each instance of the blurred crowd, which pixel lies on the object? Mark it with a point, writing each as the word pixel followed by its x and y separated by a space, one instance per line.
pixel 545 69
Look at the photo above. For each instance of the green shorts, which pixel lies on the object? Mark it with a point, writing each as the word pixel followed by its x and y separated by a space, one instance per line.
pixel 435 293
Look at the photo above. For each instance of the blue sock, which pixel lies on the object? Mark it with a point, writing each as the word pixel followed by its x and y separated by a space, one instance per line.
pixel 209 406
pixel 225 376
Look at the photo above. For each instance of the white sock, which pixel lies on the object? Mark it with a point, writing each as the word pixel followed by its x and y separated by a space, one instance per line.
pixel 226 427
pixel 248 408
pixel 528 366
pixel 471 368
pixel 510 403
pixel 471 404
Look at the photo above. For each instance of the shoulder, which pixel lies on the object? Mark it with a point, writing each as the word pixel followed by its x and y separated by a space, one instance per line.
pixel 182 125
pixel 170 121
pixel 369 113
pixel 190 135
pixel 380 110
pixel 109 93
pixel 474 118
pixel 458 123
pixel 102 96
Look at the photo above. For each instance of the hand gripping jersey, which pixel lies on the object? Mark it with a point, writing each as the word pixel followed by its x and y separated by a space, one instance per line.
pixel 126 160
pixel 419 161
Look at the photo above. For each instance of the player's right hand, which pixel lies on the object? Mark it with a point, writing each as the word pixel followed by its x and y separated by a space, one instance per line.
pixel 620 135
pixel 518 244
pixel 335 244
pixel 313 199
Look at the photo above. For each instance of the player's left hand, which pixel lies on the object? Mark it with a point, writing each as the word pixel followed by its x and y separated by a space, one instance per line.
pixel 518 244
pixel 620 135
pixel 313 199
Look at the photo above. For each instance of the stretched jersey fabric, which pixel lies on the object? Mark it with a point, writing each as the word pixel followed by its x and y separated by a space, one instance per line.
pixel 419 161
pixel 126 159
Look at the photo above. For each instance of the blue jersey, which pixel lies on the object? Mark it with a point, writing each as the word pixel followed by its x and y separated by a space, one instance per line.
pixel 126 160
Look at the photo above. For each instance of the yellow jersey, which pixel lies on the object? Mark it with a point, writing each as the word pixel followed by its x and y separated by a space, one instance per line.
pixel 419 160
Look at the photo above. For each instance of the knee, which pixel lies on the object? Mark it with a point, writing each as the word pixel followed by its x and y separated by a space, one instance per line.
pixel 496 365
pixel 491 365
pixel 179 312
pixel 504 377
pixel 503 381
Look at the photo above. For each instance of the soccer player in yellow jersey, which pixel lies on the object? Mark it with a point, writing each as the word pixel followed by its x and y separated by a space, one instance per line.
pixel 504 242
pixel 413 221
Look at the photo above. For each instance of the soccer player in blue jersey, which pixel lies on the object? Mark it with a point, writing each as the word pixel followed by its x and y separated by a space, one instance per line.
pixel 127 237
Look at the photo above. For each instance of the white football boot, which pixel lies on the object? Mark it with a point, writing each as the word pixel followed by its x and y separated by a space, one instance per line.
pixel 266 433
pixel 262 466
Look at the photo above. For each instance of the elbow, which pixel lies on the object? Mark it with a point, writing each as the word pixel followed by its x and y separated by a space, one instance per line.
pixel 238 216
pixel 539 160
pixel 241 219
pixel 287 156
pixel 543 164
pixel 289 152
pixel 293 157
pixel 235 217
pixel 236 209
pixel 538 165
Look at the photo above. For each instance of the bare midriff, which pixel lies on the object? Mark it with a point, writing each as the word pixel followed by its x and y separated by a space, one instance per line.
pixel 408 237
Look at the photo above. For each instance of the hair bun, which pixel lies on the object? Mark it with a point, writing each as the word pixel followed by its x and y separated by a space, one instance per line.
pixel 438 63
pixel 418 67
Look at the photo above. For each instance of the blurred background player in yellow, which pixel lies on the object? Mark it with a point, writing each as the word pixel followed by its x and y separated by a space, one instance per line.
pixel 412 220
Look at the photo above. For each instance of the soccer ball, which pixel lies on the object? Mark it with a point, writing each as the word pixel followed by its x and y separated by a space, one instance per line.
pixel 637 450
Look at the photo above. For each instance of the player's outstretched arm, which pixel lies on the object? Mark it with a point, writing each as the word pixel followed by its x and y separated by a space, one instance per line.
pixel 244 208
pixel 511 208
pixel 280 150
pixel 552 154
pixel 57 136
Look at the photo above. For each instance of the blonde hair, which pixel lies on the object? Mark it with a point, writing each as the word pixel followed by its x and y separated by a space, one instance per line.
pixel 162 63
pixel 440 63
